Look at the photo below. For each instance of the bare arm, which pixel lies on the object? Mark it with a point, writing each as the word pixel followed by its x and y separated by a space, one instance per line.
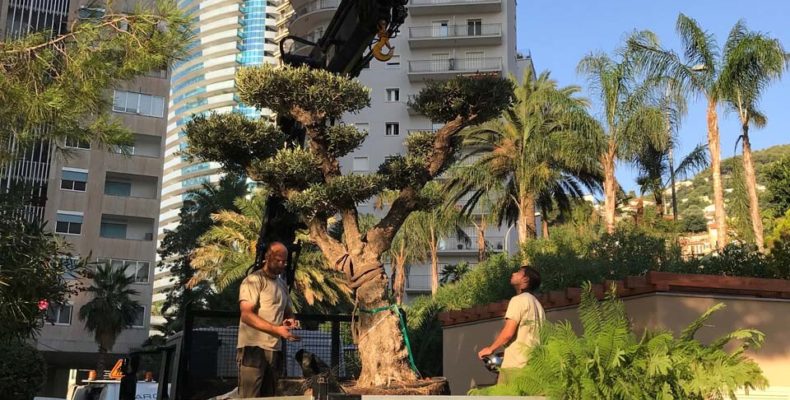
pixel 251 318
pixel 505 335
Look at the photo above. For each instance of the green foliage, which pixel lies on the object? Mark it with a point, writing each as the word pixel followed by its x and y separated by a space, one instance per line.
pixel 31 269
pixel 232 139
pixel 177 246
pixel 480 96
pixel 776 177
pixel 23 370
pixel 61 81
pixel 544 150
pixel 488 282
pixel 290 168
pixel 452 273
pixel 693 219
pixel 111 308
pixel 226 252
pixel 313 91
pixel 566 260
pixel 608 361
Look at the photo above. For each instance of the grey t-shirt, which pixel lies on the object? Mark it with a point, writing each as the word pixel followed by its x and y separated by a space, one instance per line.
pixel 271 300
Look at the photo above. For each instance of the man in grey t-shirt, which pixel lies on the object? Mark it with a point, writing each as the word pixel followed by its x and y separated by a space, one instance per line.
pixel 266 317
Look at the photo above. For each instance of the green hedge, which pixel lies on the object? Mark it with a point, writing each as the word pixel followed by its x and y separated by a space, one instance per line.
pixel 22 371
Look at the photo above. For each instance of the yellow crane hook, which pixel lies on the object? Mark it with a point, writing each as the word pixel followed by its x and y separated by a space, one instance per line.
pixel 383 42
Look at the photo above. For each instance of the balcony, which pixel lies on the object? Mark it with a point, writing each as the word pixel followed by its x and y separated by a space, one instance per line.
pixel 126 228
pixel 453 245
pixel 470 34
pixel 439 69
pixel 434 7
pixel 311 14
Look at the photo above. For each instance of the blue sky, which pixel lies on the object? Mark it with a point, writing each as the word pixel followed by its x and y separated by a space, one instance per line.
pixel 559 33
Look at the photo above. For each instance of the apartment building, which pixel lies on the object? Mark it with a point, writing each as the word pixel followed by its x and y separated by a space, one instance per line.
pixel 229 34
pixel 103 202
pixel 439 40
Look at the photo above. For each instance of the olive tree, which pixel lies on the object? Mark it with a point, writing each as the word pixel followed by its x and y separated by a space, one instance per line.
pixel 308 176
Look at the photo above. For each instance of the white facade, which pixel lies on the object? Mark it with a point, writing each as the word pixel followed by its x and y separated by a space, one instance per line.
pixel 229 34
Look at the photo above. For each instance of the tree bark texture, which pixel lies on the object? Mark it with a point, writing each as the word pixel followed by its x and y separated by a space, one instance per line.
pixel 714 146
pixel 382 349
pixel 434 262
pixel 399 273
pixel 751 187
pixel 526 219
pixel 609 187
pixel 481 240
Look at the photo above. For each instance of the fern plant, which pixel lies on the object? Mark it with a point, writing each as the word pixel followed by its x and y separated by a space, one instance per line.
pixel 608 361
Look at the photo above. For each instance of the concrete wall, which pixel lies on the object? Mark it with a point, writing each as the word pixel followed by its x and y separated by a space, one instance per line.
pixel 658 310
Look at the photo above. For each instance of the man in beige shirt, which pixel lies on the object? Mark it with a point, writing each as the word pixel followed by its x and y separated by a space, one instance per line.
pixel 266 317
pixel 523 319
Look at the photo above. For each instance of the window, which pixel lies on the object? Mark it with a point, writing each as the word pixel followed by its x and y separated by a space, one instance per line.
pixel 440 28
pixel 393 63
pixel 393 95
pixel 139 318
pixel 68 222
pixel 139 270
pixel 118 188
pixel 393 129
pixel 74 179
pixel 59 314
pixel 77 144
pixel 363 126
pixel 474 27
pixel 123 149
pixel 113 230
pixel 138 103
pixel 361 164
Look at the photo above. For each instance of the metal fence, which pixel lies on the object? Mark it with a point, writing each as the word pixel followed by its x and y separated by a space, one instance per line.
pixel 207 363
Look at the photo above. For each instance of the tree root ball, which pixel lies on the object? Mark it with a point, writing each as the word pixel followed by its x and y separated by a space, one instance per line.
pixel 423 387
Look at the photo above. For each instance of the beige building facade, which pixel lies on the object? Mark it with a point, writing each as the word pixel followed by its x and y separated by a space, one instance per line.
pixel 103 202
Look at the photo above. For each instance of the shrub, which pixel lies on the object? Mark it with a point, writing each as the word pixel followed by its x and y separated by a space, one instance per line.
pixel 22 370
pixel 608 361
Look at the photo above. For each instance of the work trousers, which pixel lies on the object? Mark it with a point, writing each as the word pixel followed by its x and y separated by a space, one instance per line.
pixel 259 370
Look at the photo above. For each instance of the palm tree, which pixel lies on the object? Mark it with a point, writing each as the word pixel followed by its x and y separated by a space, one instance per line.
pixel 657 171
pixel 226 251
pixel 630 120
pixel 409 245
pixel 544 146
pixel 111 310
pixel 752 60
pixel 698 72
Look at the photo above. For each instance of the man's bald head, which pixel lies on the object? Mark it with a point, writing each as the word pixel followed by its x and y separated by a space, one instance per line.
pixel 276 258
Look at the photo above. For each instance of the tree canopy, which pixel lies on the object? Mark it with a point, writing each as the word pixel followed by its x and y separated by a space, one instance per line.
pixel 61 81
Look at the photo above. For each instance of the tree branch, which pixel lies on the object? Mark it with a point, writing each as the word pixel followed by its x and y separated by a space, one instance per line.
pixel 351 228
pixel 380 237
pixel 331 248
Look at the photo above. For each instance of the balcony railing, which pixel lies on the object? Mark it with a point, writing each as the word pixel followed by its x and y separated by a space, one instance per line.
pixel 455 31
pixel 317 5
pixel 455 65
pixel 453 244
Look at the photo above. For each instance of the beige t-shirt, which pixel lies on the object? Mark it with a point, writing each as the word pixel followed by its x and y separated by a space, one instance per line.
pixel 527 311
pixel 271 300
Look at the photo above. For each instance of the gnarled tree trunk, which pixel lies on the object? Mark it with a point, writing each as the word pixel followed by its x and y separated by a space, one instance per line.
pixel 382 348
pixel 714 146
pixel 751 188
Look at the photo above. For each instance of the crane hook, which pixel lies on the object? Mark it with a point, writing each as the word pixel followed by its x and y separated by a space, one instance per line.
pixel 383 42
